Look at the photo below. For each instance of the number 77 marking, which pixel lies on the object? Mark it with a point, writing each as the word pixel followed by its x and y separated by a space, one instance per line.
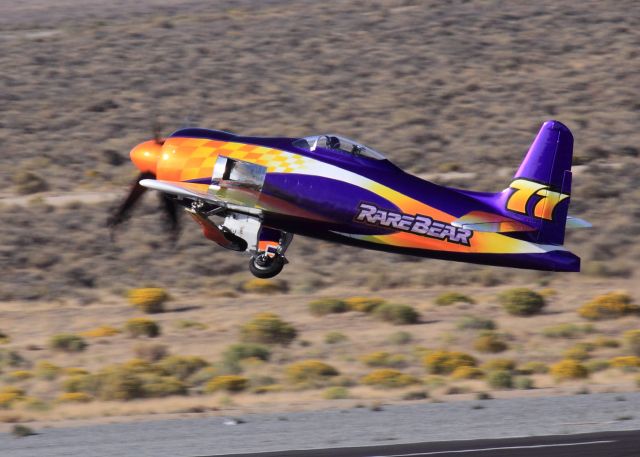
pixel 524 192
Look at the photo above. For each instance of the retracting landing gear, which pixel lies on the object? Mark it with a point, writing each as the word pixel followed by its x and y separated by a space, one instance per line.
pixel 269 258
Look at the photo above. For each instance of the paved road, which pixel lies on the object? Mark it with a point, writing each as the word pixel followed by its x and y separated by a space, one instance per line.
pixel 604 444
pixel 344 428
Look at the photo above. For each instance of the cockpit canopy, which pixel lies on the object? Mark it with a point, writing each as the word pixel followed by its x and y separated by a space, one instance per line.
pixel 337 143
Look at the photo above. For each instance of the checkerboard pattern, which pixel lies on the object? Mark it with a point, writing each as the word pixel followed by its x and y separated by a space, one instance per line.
pixel 192 158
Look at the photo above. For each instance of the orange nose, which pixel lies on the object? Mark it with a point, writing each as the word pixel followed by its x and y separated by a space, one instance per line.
pixel 145 156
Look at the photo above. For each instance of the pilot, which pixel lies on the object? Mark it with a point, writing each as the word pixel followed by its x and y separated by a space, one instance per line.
pixel 333 142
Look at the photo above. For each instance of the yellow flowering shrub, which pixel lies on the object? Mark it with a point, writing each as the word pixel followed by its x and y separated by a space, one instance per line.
pixel 264 286
pixel 388 377
pixel 444 362
pixel 148 299
pixel 568 369
pixel 309 371
pixel 608 306
pixel 101 332
pixel 229 383
pixel 364 304
pixel 20 375
pixel 627 361
pixel 466 372
pixel 74 397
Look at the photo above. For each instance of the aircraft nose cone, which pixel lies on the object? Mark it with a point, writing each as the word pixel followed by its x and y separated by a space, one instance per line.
pixel 145 156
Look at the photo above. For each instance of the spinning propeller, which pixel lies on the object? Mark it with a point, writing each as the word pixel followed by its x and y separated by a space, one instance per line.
pixel 145 157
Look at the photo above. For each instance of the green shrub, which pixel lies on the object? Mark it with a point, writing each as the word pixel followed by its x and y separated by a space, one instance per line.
pixel 149 300
pixel 156 386
pixel 79 383
pixel 445 362
pixel 384 359
pixel 268 328
pixel 499 365
pixel 364 304
pixel 534 368
pixel 336 393
pixel 141 326
pixel 335 337
pixel 116 383
pixel 10 358
pixel 490 342
pixel 608 306
pixel 632 340
pixel 19 430
pixel 326 306
pixel 578 352
pixel 4 338
pixel 400 338
pixel 47 370
pixel 389 378
pixel 475 323
pixel 27 182
pixel 240 351
pixel 187 324
pixel 181 366
pixel 524 383
pixel 450 298
pixel 128 381
pixel 522 302
pixel 604 342
pixel 567 330
pixel 67 342
pixel 568 369
pixel 265 286
pixel 150 352
pixel 397 314
pixel 229 383
pixel 500 379
pixel 594 366
pixel 309 371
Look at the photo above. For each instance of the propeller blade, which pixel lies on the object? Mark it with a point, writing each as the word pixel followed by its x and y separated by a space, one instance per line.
pixel 121 214
pixel 172 216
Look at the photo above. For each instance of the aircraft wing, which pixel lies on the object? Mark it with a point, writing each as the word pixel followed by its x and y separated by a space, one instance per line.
pixel 239 198
pixel 235 198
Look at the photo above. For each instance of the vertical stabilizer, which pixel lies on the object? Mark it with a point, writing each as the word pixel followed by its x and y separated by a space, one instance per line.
pixel 540 191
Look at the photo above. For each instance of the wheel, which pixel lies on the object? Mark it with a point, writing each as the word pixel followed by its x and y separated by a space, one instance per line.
pixel 263 266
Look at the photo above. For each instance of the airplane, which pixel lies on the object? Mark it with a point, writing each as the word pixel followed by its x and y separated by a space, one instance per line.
pixel 253 194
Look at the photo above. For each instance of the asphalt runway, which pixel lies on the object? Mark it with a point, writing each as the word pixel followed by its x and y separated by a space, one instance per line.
pixel 602 444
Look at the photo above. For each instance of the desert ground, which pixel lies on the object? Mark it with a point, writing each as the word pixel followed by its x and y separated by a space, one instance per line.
pixel 451 91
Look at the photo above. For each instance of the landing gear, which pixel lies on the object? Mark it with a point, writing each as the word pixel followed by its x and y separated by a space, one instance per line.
pixel 265 265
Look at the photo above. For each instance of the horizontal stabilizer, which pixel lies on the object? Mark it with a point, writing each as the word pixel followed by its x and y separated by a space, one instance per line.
pixel 576 222
pixel 481 221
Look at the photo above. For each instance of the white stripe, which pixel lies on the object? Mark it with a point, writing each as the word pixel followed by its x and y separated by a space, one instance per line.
pixel 462 451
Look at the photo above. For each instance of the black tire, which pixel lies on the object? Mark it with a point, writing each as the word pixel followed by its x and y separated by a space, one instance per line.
pixel 265 267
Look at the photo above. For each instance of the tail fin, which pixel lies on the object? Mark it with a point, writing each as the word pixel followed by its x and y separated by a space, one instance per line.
pixel 540 190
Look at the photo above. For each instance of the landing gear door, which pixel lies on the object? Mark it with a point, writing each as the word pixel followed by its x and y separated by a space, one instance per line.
pixel 228 172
